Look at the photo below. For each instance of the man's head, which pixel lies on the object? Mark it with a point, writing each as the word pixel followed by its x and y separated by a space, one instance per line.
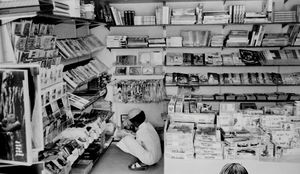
pixel 136 116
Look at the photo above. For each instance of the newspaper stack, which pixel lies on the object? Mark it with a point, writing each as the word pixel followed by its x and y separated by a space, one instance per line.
pixel 208 143
pixel 179 141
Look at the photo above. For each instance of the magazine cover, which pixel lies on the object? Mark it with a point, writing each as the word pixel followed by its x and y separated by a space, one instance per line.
pixel 15 130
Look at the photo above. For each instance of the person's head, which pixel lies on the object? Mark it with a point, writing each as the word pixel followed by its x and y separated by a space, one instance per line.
pixel 233 168
pixel 136 116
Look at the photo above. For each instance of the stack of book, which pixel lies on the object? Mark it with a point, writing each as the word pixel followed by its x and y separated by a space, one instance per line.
pixel 207 142
pixel 215 17
pixel 284 16
pixel 217 40
pixel 183 16
pixel 275 39
pixel 137 41
pixel 195 38
pixel 116 41
pixel 162 15
pixel 179 141
pixel 256 17
pixel 144 20
pixel 237 13
pixel 238 38
pixel 156 42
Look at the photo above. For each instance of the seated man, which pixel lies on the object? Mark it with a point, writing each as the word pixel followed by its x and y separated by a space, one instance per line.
pixel 145 145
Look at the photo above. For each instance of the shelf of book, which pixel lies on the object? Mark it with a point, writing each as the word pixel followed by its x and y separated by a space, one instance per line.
pixel 239 85
pixel 161 1
pixel 197 25
pixel 184 66
pixel 61 18
pixel 241 101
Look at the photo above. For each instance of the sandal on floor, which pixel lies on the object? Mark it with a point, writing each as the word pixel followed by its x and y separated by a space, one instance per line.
pixel 138 166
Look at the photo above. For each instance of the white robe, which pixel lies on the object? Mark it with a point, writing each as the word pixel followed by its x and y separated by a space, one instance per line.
pixel 146 146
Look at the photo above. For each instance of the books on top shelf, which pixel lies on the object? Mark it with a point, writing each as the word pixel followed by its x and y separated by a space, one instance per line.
pixel 183 16
pixel 117 16
pixel 237 13
pixel 256 17
pixel 215 17
pixel 144 20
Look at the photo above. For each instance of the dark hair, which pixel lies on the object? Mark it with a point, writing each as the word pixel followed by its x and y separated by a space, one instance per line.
pixel 138 119
pixel 233 168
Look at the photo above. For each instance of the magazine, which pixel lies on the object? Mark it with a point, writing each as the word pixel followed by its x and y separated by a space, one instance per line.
pixel 15 129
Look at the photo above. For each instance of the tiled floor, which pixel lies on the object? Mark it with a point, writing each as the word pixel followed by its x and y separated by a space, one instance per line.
pixel 115 161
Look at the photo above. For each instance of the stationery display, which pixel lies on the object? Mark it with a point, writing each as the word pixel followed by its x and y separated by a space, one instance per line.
pixel 224 79
pixel 270 133
pixel 146 63
pixel 139 91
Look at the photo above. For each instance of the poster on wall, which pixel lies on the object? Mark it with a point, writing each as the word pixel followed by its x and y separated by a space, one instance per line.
pixel 15 129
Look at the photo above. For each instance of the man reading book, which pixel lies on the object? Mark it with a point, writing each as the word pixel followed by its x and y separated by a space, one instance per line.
pixel 144 145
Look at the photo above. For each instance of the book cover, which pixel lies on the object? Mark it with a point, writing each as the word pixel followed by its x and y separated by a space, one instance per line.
pixel 15 117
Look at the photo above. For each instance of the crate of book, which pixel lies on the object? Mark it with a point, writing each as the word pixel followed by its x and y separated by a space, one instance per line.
pixel 179 140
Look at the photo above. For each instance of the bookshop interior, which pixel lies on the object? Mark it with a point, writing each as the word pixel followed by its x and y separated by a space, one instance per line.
pixel 150 86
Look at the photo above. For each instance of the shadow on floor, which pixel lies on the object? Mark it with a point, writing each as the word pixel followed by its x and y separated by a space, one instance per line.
pixel 115 161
